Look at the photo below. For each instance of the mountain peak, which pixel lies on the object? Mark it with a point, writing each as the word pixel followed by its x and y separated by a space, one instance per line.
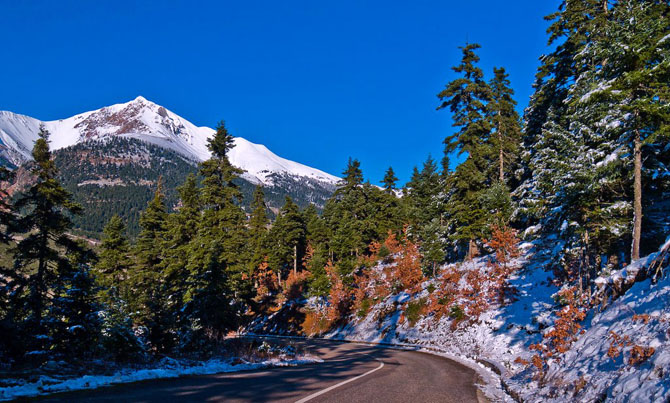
pixel 151 123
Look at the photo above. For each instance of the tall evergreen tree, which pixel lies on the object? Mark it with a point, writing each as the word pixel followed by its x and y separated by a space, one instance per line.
pixel 112 272
pixel 148 280
pixel 288 234
pixel 317 231
pixel 258 228
pixel 113 265
pixel 216 266
pixel 637 73
pixel 6 213
pixel 181 230
pixel 506 139
pixel 389 180
pixel 353 175
pixel 466 98
pixel 42 266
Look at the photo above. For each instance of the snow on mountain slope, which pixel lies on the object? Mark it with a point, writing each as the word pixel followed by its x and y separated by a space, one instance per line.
pixel 147 121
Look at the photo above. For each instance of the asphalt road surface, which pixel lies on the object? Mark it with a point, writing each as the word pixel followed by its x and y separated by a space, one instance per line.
pixel 350 373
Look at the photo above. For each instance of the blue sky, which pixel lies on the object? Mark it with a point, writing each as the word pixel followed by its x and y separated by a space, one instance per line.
pixel 315 81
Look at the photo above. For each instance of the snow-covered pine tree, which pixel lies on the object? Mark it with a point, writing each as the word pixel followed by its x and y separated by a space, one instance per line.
pixel 546 111
pixel 634 73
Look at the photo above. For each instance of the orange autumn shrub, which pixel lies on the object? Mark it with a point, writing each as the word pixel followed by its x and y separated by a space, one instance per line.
pixel 474 294
pixel 339 299
pixel 314 324
pixel 447 292
pixel 617 344
pixel 505 245
pixel 295 283
pixel 639 354
pixel 408 267
pixel 564 332
pixel 265 281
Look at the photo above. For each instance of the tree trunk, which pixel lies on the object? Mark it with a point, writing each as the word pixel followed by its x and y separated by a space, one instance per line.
pixel 434 269
pixel 473 250
pixel 295 260
pixel 501 153
pixel 637 197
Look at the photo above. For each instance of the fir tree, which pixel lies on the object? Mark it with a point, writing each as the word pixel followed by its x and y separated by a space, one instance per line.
pixel 112 270
pixel 389 180
pixel 637 73
pixel 258 228
pixel 181 230
pixel 466 98
pixel 216 264
pixel 6 214
pixel 352 176
pixel 317 231
pixel 41 257
pixel 506 139
pixel 288 234
pixel 147 279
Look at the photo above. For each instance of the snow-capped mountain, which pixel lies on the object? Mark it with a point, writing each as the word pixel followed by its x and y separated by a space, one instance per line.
pixel 152 123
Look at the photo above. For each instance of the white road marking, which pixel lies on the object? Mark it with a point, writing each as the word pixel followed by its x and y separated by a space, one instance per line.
pixel 313 395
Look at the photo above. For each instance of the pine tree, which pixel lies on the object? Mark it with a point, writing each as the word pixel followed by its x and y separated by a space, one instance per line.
pixel 258 228
pixel 466 98
pixel 288 235
pixel 506 139
pixel 113 263
pixel 112 270
pixel 147 278
pixel 41 257
pixel 216 266
pixel 546 118
pixel 72 318
pixel 637 73
pixel 181 230
pixel 389 180
pixel 352 176
pixel 317 231
pixel 6 214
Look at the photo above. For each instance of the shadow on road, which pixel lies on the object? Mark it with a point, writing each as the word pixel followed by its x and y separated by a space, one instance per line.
pixel 342 361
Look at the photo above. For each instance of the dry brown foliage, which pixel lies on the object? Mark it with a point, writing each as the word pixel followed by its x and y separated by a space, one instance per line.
pixel 639 354
pixel 564 332
pixel 265 281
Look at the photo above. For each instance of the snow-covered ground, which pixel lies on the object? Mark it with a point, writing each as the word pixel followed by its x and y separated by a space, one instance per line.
pixel 502 335
pixel 167 368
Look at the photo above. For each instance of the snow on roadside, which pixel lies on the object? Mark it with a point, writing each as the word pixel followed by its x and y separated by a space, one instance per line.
pixel 169 369
pixel 641 317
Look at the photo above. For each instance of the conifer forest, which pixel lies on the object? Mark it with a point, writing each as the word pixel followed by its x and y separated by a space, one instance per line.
pixel 544 251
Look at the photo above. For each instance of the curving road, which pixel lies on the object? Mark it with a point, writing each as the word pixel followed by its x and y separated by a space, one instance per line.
pixel 350 373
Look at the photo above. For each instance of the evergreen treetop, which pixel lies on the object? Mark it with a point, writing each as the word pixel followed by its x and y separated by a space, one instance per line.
pixel 389 180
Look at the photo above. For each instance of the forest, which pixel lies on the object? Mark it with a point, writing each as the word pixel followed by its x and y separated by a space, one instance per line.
pixel 586 164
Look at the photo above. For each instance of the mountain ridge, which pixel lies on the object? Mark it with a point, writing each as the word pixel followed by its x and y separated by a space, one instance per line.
pixel 150 122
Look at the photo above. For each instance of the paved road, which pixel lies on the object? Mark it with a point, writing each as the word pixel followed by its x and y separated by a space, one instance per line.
pixel 350 373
